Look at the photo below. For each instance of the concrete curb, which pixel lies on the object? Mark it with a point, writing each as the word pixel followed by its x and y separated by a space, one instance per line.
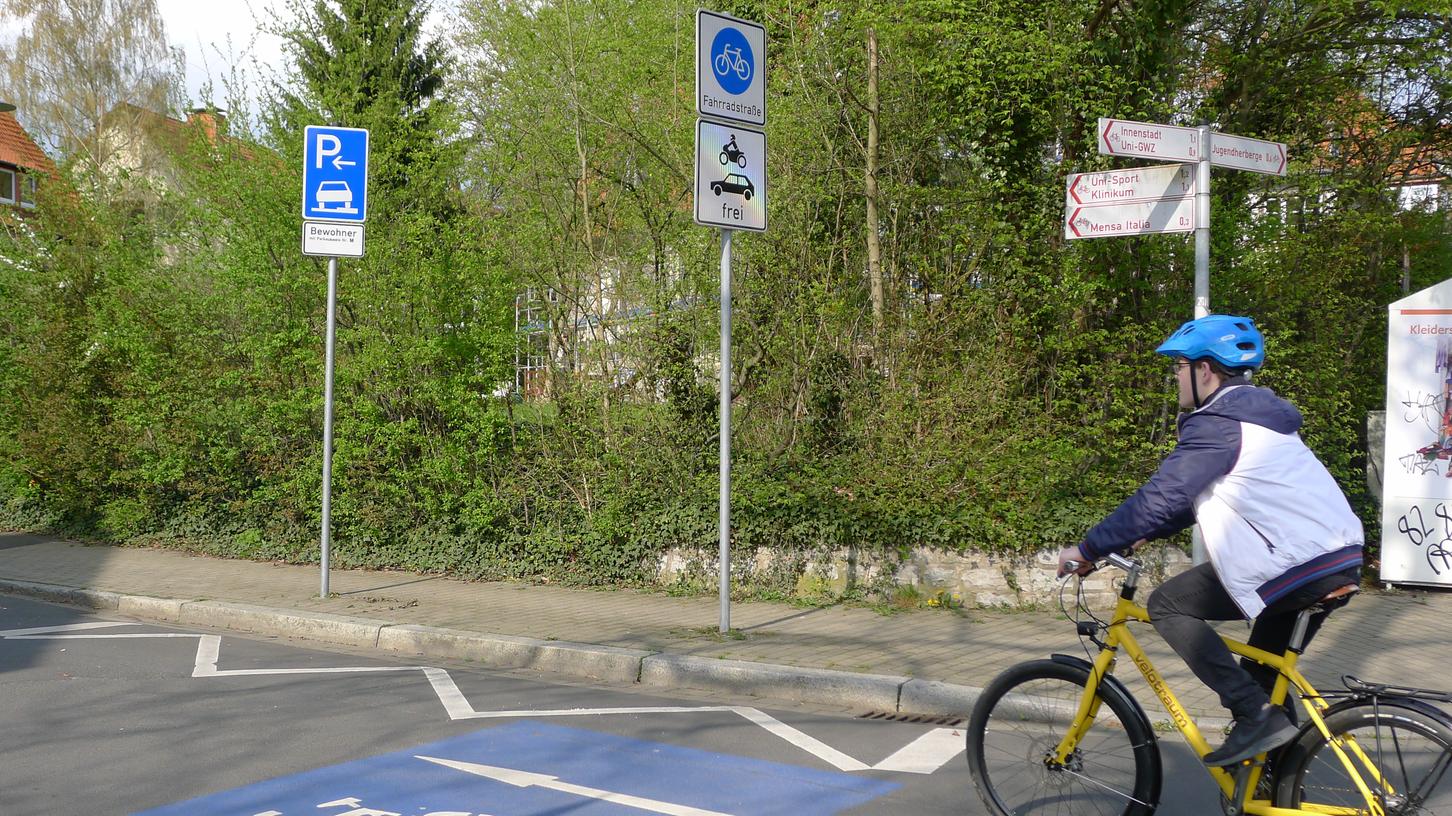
pixel 89 598
pixel 864 692
pixel 340 629
pixel 510 652
pixel 937 698
pixel 840 689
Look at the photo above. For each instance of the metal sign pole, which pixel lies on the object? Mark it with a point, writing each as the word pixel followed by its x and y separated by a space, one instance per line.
pixel 1202 226
pixel 725 581
pixel 1202 279
pixel 328 425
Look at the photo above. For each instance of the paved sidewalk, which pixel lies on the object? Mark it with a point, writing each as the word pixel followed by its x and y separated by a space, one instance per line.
pixel 855 659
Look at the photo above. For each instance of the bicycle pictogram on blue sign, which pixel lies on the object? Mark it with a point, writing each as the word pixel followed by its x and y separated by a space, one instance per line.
pixel 732 62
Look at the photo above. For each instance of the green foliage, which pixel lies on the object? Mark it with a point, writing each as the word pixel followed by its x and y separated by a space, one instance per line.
pixel 161 366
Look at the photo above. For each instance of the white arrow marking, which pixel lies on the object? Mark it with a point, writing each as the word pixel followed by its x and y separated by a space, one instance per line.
pixel 927 753
pixel 525 779
pixel 339 164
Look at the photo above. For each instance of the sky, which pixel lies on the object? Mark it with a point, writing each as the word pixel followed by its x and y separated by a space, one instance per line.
pixel 218 35
pixel 202 27
pixel 202 30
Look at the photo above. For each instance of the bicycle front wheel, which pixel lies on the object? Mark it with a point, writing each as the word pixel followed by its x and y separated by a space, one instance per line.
pixel 1410 746
pixel 1015 730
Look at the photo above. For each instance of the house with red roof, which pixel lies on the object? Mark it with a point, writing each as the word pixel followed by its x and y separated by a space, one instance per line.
pixel 143 150
pixel 23 165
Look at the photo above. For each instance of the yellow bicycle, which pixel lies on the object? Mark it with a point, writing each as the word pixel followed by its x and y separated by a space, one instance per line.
pixel 1041 742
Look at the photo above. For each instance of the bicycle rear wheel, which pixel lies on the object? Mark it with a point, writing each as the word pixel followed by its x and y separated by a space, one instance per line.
pixel 1411 745
pixel 1016 727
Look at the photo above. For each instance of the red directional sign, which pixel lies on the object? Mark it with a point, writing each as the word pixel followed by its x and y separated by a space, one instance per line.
pixel 1118 137
pixel 1138 218
pixel 1245 153
pixel 1131 184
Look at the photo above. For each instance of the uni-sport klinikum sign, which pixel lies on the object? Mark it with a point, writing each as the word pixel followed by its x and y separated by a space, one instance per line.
pixel 730 68
pixel 1132 201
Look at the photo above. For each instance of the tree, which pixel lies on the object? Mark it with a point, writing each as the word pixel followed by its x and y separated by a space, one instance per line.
pixel 366 64
pixel 78 60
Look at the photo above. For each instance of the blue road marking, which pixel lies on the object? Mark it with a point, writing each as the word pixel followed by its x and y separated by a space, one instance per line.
pixel 554 770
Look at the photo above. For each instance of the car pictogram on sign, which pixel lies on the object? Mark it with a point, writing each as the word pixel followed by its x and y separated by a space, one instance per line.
pixel 335 192
pixel 734 183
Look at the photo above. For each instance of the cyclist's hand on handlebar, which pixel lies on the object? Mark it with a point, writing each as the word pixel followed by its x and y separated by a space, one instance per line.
pixel 1071 560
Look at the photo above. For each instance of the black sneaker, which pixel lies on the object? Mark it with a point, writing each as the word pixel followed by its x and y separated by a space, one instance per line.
pixel 1252 736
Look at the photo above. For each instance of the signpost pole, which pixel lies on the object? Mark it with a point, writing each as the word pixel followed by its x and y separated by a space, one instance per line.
pixel 1202 279
pixel 725 582
pixel 328 424
pixel 1202 226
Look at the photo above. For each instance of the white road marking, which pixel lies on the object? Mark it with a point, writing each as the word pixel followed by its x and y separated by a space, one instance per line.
pixel 104 637
pixel 923 756
pixel 811 745
pixel 927 753
pixel 69 627
pixel 525 779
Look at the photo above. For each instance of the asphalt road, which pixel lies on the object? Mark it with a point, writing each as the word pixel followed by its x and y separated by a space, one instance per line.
pixel 109 715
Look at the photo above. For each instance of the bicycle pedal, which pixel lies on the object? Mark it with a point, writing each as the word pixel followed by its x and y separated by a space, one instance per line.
pixel 1232 807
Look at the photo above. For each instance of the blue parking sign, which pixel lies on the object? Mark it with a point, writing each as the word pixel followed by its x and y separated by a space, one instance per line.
pixel 335 174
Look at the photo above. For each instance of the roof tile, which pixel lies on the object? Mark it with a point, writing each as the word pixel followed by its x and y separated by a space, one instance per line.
pixel 17 148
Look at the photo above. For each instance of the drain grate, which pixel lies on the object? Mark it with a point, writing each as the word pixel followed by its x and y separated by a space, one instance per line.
pixel 925 719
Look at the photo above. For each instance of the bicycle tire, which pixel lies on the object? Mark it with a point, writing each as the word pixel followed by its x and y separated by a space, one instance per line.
pixel 1416 758
pixel 1020 718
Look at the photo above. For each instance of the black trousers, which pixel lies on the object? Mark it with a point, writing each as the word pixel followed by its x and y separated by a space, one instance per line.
pixel 1180 606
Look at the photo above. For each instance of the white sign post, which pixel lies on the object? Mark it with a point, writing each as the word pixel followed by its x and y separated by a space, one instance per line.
pixel 1118 137
pixel 1416 505
pixel 730 190
pixel 1133 201
pixel 1204 147
pixel 335 193
pixel 1136 218
pixel 1245 153
pixel 332 240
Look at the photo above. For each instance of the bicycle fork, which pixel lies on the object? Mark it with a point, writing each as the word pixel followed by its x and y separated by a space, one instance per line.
pixel 1088 706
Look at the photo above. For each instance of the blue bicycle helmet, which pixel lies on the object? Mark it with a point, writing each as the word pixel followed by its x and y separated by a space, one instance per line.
pixel 1232 341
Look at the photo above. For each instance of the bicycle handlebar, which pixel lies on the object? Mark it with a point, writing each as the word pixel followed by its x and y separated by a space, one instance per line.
pixel 1113 560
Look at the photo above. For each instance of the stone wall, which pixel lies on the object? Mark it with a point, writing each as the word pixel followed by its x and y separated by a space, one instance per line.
pixel 971 579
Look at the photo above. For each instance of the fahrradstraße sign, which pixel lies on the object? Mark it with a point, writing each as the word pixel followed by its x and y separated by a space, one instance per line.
pixel 730 68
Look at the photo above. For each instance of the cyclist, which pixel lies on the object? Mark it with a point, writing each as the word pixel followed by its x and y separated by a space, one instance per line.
pixel 1279 532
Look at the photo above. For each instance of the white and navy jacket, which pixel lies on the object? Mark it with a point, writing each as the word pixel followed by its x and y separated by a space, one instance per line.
pixel 1272 517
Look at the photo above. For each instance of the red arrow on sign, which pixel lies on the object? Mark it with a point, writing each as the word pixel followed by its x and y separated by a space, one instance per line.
pixel 1073 218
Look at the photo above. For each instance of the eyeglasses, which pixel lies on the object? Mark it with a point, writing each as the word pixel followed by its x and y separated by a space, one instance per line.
pixel 1179 364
